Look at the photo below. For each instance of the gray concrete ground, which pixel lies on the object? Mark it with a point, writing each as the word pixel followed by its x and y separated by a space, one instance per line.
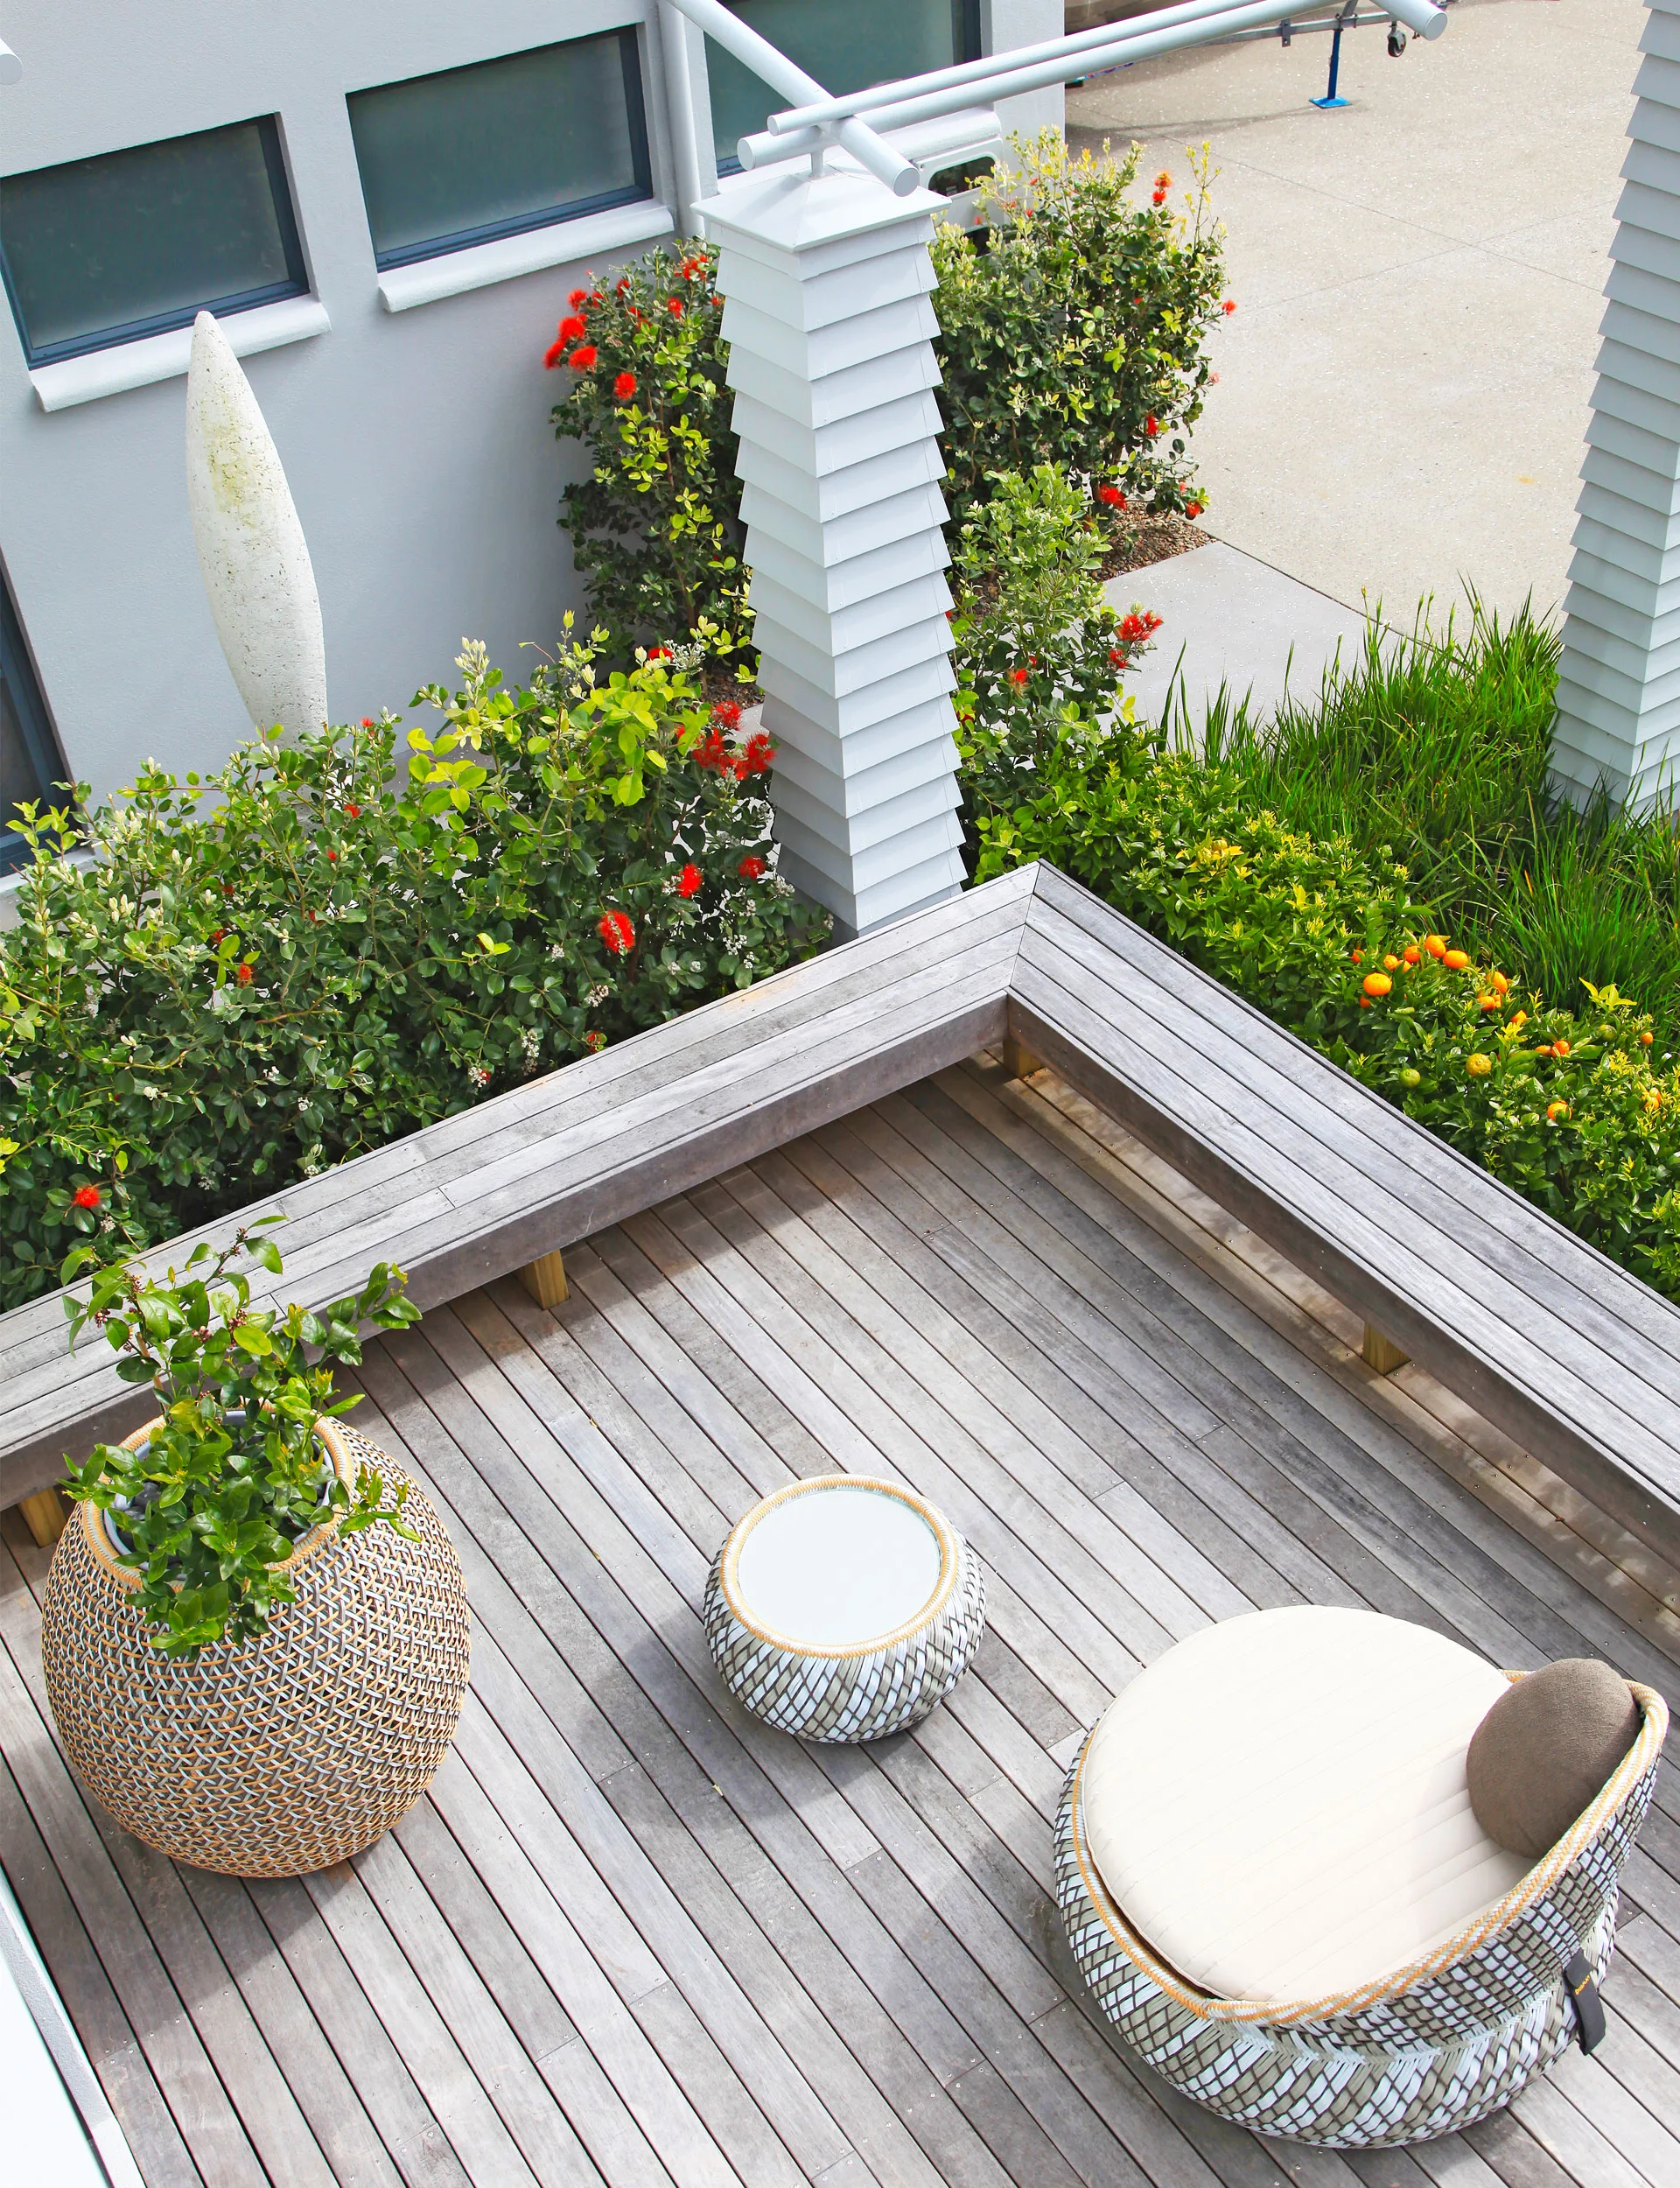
pixel 1403 389
pixel 1228 618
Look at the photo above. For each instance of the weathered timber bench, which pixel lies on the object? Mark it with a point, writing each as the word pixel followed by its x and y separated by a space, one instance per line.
pixel 1571 1356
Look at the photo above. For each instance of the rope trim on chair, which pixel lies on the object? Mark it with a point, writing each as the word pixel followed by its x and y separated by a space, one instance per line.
pixel 1639 1758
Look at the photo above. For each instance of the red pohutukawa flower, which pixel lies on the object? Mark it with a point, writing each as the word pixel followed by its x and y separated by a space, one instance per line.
pixel 616 932
pixel 244 976
pixel 623 286
pixel 623 387
pixel 1193 509
pixel 354 812
pixel 1135 628
pixel 583 359
pixel 1017 676
pixel 674 306
pixel 756 759
pixel 553 355
pixel 1228 306
pixel 1150 425
pixel 87 1197
pixel 1163 181
pixel 659 653
pixel 572 330
pixel 1112 495
pixel 691 882
pixel 1159 198
pixel 752 869
pixel 367 721
pixel 578 296
pixel 728 712
pixel 596 1040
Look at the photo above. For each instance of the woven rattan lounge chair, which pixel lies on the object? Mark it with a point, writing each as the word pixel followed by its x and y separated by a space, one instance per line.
pixel 1431 2046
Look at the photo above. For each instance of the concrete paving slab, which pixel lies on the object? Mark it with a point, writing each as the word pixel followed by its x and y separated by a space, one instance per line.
pixel 1227 618
pixel 1404 391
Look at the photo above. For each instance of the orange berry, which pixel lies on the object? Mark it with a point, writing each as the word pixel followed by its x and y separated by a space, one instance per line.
pixel 1364 1002
pixel 1488 1002
pixel 1500 983
pixel 1455 959
pixel 1355 954
pixel 1555 1110
pixel 1645 1040
pixel 1560 1047
pixel 1413 954
pixel 1543 1049
pixel 1392 963
pixel 1376 984
pixel 1435 945
pixel 1479 1065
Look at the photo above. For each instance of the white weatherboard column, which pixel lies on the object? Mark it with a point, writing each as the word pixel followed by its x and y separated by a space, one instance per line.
pixel 1619 685
pixel 252 553
pixel 826 280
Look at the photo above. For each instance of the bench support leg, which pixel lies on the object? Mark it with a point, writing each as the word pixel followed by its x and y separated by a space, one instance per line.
pixel 45 1516
pixel 1018 1060
pixel 545 1280
pixel 1378 1353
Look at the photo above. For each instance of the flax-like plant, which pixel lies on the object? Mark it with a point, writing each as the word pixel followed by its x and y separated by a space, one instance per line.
pixel 233 1476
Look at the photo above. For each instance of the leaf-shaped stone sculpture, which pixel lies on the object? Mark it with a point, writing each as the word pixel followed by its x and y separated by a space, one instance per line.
pixel 252 552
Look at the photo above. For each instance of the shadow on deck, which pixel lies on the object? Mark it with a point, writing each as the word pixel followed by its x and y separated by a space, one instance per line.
pixel 632 1936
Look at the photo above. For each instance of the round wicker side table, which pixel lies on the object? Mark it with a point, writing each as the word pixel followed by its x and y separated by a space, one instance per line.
pixel 287 1753
pixel 844 1608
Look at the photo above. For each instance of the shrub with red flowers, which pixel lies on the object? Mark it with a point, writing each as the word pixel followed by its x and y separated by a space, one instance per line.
pixel 1039 652
pixel 1071 327
pixel 213 1009
pixel 656 527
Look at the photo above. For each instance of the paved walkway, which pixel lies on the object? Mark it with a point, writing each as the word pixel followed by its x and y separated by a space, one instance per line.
pixel 1403 389
pixel 1230 619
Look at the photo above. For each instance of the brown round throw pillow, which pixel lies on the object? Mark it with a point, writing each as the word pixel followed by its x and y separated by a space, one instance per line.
pixel 1546 1748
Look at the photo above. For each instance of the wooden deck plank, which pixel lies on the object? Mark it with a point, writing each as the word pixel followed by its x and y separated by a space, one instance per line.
pixel 634 1937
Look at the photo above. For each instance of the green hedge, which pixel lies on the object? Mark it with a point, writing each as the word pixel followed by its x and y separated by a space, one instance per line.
pixel 1579 1110
pixel 318 951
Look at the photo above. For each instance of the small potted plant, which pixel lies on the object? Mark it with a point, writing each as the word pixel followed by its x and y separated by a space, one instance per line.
pixel 255 1629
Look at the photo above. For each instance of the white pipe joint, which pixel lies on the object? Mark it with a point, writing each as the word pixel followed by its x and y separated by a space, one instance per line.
pixel 768 62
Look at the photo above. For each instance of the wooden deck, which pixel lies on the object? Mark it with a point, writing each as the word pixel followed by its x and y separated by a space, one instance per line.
pixel 632 1937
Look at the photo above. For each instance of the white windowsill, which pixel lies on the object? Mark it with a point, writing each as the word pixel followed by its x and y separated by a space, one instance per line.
pixel 561 243
pixel 165 356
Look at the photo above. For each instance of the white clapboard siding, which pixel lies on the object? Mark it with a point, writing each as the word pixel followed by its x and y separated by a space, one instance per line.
pixel 1619 685
pixel 827 282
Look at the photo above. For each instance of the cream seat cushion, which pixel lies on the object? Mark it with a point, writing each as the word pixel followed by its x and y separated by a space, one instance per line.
pixel 1279 1804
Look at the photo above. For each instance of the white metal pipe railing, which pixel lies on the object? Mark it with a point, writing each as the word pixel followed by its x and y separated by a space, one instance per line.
pixel 973 72
pixel 966 128
pixel 1005 75
pixel 679 85
pixel 772 64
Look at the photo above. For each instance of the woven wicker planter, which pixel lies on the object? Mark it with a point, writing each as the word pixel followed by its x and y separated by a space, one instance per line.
pixel 1426 2050
pixel 282 1755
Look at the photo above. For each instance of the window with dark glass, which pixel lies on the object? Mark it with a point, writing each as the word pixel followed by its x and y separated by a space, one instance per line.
pixel 106 250
pixel 30 765
pixel 463 157
pixel 846 44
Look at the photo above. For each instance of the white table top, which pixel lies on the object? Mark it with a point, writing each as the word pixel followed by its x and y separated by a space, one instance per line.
pixel 837 1566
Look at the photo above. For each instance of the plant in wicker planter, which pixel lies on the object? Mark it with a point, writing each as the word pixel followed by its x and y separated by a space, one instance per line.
pixel 254 1630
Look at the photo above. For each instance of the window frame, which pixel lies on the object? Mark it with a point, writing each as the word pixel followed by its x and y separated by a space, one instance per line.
pixel 640 190
pixel 297 283
pixel 40 741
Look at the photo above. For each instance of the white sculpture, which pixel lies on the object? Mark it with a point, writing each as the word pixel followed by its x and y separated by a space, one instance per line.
pixel 252 552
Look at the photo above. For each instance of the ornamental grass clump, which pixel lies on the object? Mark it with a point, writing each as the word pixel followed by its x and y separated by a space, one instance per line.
pixel 655 528
pixel 320 949
pixel 1072 326
pixel 233 1476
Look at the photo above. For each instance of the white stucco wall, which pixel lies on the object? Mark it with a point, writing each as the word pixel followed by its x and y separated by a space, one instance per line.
pixel 416 444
